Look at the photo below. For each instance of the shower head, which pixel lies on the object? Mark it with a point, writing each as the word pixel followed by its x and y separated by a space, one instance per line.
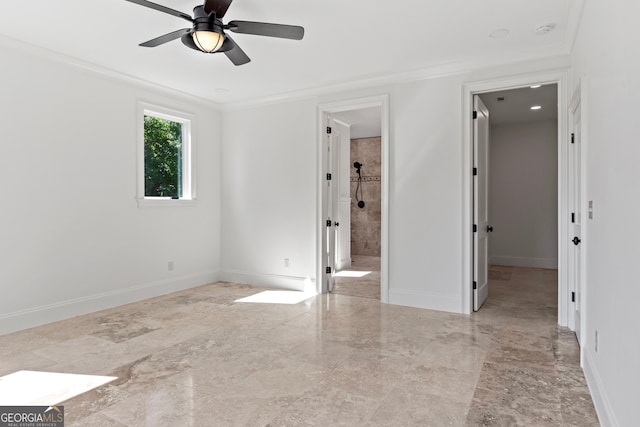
pixel 357 165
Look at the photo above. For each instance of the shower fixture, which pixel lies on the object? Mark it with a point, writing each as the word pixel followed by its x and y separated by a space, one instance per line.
pixel 358 166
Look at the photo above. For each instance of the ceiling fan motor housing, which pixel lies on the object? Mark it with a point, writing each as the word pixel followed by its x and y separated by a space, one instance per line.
pixel 203 21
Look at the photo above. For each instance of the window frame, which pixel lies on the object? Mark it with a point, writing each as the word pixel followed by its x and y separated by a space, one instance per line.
pixel 188 174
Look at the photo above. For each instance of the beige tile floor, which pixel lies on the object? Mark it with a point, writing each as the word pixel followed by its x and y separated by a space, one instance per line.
pixel 199 358
pixel 367 286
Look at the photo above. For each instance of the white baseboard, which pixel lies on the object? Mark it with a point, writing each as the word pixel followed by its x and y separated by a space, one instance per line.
pixel 430 301
pixel 600 399
pixel 37 316
pixel 524 261
pixel 291 283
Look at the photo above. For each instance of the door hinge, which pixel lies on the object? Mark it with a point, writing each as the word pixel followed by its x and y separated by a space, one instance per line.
pixel 328 223
pixel 475 285
pixel 573 138
pixel 328 129
pixel 328 270
pixel 475 171
pixel 475 228
pixel 573 217
pixel 475 115
pixel 573 297
pixel 328 177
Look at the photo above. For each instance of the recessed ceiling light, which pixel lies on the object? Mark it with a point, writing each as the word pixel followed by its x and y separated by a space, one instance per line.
pixel 535 86
pixel 536 107
pixel 544 29
pixel 499 33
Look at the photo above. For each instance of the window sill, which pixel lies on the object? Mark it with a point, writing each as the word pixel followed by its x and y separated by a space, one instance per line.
pixel 149 202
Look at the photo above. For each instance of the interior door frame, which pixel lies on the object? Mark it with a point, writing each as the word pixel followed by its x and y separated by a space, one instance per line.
pixel 330 155
pixel 560 78
pixel 324 109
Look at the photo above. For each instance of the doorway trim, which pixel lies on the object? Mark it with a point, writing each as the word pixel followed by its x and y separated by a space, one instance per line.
pixel 559 77
pixel 381 101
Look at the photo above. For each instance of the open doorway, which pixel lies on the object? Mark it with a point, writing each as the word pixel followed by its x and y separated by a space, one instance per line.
pixel 359 245
pixel 566 303
pixel 516 199
pixel 353 198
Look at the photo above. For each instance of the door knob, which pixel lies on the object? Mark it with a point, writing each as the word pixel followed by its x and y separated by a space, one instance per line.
pixel 337 224
pixel 489 229
pixel 576 241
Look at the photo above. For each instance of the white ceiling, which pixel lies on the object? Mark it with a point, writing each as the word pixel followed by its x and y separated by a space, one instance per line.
pixel 365 122
pixel 516 104
pixel 345 41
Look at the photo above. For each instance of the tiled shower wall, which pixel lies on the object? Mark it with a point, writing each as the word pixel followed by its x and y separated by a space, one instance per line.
pixel 365 223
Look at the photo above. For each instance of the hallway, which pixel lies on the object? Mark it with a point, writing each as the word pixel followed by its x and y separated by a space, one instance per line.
pixel 202 357
pixel 531 373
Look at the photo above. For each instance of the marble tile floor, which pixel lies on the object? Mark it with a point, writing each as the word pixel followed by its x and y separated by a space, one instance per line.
pixel 199 358
pixel 367 286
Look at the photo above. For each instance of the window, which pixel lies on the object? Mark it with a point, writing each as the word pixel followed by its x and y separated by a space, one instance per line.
pixel 165 157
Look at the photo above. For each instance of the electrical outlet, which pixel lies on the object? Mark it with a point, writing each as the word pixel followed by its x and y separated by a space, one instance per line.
pixel 170 265
pixel 596 341
pixel 286 262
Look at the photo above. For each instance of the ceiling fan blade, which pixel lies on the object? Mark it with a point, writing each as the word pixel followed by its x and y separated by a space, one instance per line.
pixel 265 29
pixel 233 51
pixel 219 7
pixel 161 8
pixel 166 38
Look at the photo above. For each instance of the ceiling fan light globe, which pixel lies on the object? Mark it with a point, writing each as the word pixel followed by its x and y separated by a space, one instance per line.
pixel 208 41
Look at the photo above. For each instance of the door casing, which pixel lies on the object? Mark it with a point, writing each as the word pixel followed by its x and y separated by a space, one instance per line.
pixel 330 199
pixel 559 77
pixel 323 110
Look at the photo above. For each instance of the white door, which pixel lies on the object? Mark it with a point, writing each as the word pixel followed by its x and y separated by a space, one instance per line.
pixel 343 183
pixel 480 202
pixel 575 194
pixel 331 206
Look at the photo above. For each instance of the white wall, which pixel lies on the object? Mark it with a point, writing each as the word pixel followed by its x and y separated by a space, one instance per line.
pixel 425 230
pixel 606 52
pixel 270 200
pixel 523 194
pixel 269 187
pixel 268 206
pixel 72 239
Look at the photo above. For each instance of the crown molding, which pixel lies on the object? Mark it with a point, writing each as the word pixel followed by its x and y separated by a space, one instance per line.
pixel 24 47
pixel 555 58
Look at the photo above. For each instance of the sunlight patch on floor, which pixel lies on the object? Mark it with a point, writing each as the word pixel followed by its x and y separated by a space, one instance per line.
pixel 352 273
pixel 278 297
pixel 25 388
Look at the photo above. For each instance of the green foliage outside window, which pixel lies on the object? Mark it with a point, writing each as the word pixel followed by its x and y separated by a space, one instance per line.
pixel 162 158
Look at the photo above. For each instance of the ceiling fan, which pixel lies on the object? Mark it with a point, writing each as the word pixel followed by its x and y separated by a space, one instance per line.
pixel 207 32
